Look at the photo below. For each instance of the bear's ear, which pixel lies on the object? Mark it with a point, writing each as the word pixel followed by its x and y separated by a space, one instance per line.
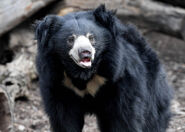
pixel 45 28
pixel 106 18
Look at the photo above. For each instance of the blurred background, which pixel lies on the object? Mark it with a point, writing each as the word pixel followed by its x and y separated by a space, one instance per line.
pixel 162 22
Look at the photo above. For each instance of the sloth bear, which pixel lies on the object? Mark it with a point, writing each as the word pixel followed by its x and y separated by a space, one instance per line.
pixel 90 63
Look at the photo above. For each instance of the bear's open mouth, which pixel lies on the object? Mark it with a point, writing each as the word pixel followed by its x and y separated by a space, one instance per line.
pixel 84 63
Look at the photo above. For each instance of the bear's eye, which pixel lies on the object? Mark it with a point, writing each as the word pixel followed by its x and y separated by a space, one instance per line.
pixel 71 39
pixel 91 38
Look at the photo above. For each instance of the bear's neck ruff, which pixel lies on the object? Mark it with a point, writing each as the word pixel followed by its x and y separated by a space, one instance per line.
pixel 91 87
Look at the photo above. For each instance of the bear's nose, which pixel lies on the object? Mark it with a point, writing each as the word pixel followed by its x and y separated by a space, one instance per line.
pixel 84 53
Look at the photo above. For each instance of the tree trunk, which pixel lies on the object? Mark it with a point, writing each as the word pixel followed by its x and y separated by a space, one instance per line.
pixel 12 12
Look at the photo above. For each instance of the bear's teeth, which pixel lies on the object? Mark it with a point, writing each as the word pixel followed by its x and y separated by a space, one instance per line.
pixel 86 64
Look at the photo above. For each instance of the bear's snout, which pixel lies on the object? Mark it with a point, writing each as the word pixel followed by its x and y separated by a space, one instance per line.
pixel 84 53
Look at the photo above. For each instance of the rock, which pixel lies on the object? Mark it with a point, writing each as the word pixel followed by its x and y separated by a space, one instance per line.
pixel 169 48
pixel 21 128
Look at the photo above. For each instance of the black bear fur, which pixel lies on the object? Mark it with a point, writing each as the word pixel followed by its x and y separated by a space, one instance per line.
pixel 135 97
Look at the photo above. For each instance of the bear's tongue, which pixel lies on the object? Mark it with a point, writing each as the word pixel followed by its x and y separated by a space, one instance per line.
pixel 86 62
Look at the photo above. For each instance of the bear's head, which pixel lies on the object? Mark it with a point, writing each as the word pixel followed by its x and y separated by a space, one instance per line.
pixel 77 40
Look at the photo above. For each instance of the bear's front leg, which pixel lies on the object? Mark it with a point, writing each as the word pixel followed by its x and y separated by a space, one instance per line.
pixel 120 113
pixel 65 118
pixel 116 121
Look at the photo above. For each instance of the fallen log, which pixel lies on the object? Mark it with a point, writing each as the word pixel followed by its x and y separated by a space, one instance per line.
pixel 160 17
pixel 145 13
pixel 14 12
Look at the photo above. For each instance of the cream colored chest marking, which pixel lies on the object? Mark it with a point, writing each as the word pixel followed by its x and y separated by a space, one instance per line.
pixel 92 86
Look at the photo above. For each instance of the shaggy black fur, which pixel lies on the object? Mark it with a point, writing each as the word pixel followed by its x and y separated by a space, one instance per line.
pixel 136 96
